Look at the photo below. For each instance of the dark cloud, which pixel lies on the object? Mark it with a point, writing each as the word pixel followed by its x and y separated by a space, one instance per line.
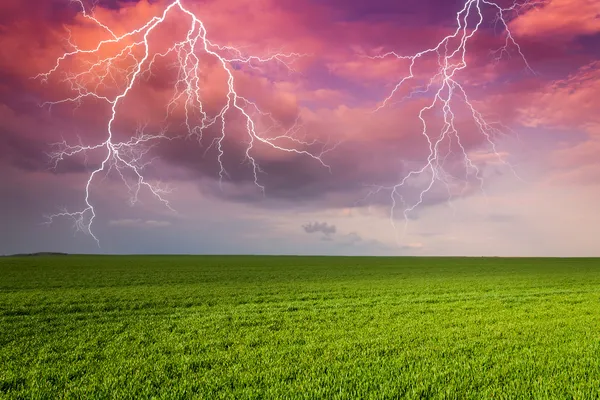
pixel 292 180
pixel 323 227
pixel 349 241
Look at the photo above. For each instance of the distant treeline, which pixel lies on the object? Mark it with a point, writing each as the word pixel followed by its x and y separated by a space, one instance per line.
pixel 42 253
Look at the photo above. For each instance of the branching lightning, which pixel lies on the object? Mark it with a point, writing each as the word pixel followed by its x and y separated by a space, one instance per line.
pixel 135 59
pixel 133 62
pixel 446 90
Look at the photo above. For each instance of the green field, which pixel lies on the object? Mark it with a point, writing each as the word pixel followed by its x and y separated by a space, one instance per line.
pixel 299 327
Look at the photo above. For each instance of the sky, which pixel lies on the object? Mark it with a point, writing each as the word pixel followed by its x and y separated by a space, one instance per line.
pixel 312 152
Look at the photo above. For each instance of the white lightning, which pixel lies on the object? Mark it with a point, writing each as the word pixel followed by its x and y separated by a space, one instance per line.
pixel 446 89
pixel 128 66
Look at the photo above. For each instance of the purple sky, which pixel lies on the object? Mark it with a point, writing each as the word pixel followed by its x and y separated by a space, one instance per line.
pixel 525 184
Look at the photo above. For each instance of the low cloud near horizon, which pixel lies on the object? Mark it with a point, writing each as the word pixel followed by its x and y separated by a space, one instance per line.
pixel 322 227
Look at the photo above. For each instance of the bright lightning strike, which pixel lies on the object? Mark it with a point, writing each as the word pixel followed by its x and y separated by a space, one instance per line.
pixel 447 90
pixel 133 61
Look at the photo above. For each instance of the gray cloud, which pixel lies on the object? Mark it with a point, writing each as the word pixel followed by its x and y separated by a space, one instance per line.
pixel 138 223
pixel 322 227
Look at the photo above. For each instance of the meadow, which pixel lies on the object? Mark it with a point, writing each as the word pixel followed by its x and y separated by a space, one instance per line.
pixel 253 327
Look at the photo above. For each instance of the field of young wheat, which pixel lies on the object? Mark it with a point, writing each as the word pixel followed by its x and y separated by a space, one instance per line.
pixel 255 327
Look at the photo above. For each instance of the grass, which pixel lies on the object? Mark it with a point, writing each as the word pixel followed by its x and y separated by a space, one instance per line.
pixel 299 327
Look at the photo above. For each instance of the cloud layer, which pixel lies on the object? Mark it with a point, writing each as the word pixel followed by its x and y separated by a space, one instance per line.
pixel 324 101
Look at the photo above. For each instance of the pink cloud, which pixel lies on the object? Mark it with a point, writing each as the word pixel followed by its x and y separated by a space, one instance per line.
pixel 394 134
pixel 568 103
pixel 560 19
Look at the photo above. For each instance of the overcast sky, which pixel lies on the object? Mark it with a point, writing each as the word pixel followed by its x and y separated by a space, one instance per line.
pixel 324 146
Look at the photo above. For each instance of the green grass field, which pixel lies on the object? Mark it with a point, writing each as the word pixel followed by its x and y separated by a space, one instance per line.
pixel 299 327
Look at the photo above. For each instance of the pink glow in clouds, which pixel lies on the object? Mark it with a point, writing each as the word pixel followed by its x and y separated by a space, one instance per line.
pixel 318 144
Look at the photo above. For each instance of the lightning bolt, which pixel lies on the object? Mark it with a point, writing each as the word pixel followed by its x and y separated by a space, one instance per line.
pixel 133 61
pixel 447 90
